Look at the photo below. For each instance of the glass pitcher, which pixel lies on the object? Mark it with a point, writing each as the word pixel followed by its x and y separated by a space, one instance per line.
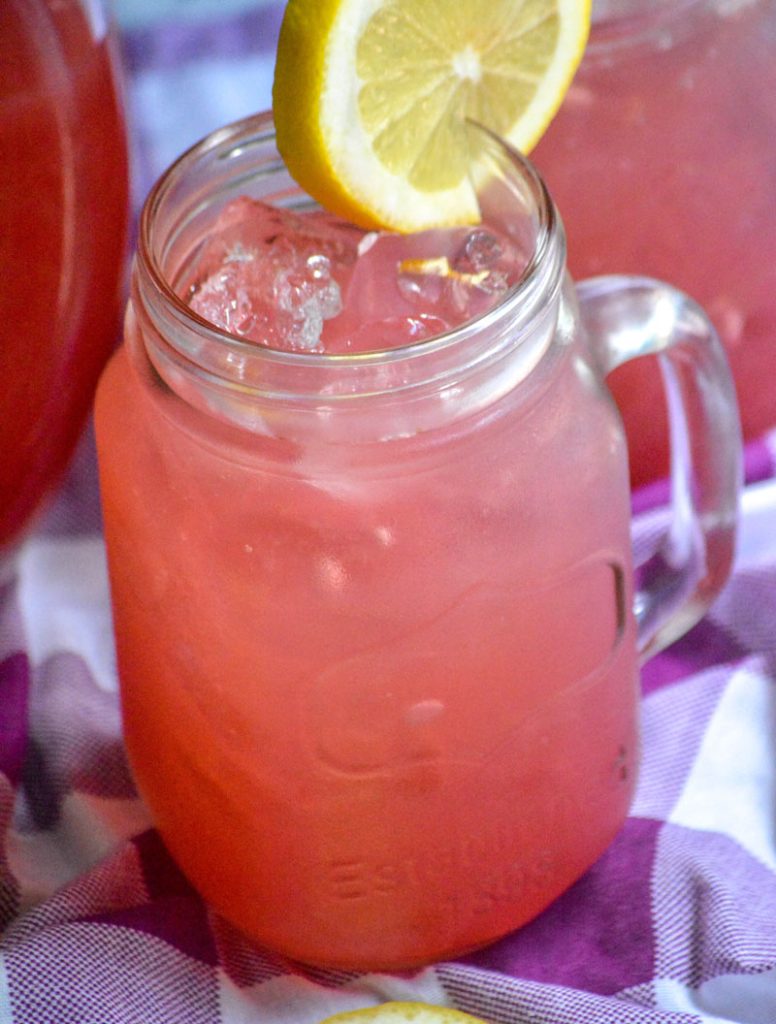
pixel 662 162
pixel 64 211
pixel 377 627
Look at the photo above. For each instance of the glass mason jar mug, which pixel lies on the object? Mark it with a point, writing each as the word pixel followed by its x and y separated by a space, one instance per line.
pixel 377 626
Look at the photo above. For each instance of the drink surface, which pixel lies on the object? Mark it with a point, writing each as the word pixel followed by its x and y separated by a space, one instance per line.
pixel 661 161
pixel 314 283
pixel 63 209
pixel 389 677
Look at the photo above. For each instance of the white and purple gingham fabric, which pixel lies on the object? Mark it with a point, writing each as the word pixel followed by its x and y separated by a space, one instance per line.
pixel 675 923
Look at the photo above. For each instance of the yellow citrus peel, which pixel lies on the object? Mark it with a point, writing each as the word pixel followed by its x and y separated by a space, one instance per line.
pixel 403 1013
pixel 371 97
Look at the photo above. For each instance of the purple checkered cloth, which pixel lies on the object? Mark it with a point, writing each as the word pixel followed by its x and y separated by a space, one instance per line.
pixel 675 923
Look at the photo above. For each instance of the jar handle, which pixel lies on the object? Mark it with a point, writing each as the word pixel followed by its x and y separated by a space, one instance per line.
pixel 626 317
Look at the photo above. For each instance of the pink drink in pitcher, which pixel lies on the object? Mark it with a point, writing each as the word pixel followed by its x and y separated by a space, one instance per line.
pixel 63 224
pixel 367 513
pixel 662 161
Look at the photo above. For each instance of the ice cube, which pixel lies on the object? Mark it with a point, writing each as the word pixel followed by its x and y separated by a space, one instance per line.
pixel 306 297
pixel 273 276
pixel 479 251
pixel 476 269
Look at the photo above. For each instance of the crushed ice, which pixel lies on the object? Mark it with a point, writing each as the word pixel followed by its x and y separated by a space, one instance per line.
pixel 312 283
pixel 309 296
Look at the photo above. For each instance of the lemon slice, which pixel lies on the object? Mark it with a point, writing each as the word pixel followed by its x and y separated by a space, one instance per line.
pixel 403 1013
pixel 371 97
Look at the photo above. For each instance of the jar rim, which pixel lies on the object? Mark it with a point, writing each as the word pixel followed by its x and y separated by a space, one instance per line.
pixel 258 129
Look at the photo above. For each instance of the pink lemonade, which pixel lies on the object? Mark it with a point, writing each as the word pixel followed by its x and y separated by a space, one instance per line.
pixel 379 686
pixel 662 162
pixel 63 210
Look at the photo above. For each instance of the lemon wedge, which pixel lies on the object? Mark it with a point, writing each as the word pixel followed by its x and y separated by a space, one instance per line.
pixel 403 1013
pixel 371 97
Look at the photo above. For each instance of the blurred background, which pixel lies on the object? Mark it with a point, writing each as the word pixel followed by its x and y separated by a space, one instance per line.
pixel 191 66
pixel 139 13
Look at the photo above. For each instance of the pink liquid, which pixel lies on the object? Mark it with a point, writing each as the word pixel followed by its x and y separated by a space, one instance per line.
pixel 662 162
pixel 379 692
pixel 63 210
